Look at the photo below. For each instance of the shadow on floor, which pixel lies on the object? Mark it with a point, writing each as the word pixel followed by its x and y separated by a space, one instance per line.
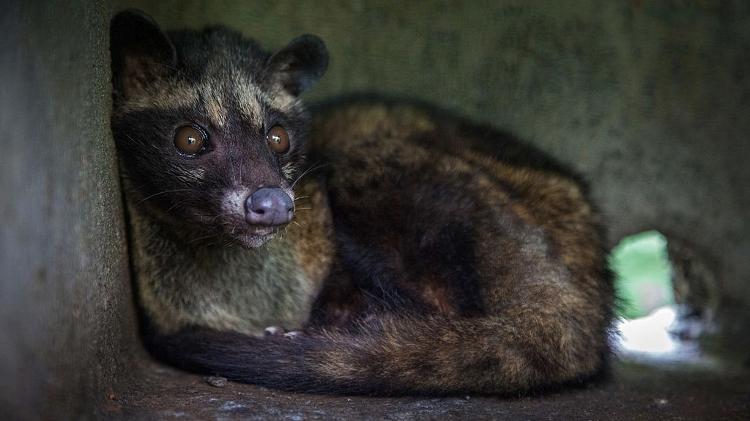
pixel 636 391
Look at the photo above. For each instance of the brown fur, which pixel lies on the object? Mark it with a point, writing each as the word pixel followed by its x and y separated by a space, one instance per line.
pixel 543 290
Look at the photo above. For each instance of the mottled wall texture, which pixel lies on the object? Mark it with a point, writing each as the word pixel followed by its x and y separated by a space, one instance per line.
pixel 649 99
pixel 66 319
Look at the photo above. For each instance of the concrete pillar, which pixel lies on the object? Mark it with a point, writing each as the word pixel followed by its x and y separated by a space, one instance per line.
pixel 67 325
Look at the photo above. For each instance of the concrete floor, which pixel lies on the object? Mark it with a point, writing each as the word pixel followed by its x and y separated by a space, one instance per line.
pixel 635 391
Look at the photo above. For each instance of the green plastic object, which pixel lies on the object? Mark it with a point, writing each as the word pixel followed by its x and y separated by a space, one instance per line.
pixel 643 274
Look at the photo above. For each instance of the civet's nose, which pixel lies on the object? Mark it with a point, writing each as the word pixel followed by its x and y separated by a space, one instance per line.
pixel 269 206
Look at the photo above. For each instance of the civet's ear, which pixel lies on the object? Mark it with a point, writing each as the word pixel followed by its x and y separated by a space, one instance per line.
pixel 141 52
pixel 300 64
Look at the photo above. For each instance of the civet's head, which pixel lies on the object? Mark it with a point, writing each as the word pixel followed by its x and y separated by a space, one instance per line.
pixel 208 126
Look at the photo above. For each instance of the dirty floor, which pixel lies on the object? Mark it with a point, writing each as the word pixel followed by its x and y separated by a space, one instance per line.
pixel 636 391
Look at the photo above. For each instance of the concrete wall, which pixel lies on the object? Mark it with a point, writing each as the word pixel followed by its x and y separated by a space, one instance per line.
pixel 649 99
pixel 66 317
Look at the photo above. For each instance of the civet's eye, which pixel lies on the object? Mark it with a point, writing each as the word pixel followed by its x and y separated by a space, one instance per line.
pixel 278 139
pixel 190 140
